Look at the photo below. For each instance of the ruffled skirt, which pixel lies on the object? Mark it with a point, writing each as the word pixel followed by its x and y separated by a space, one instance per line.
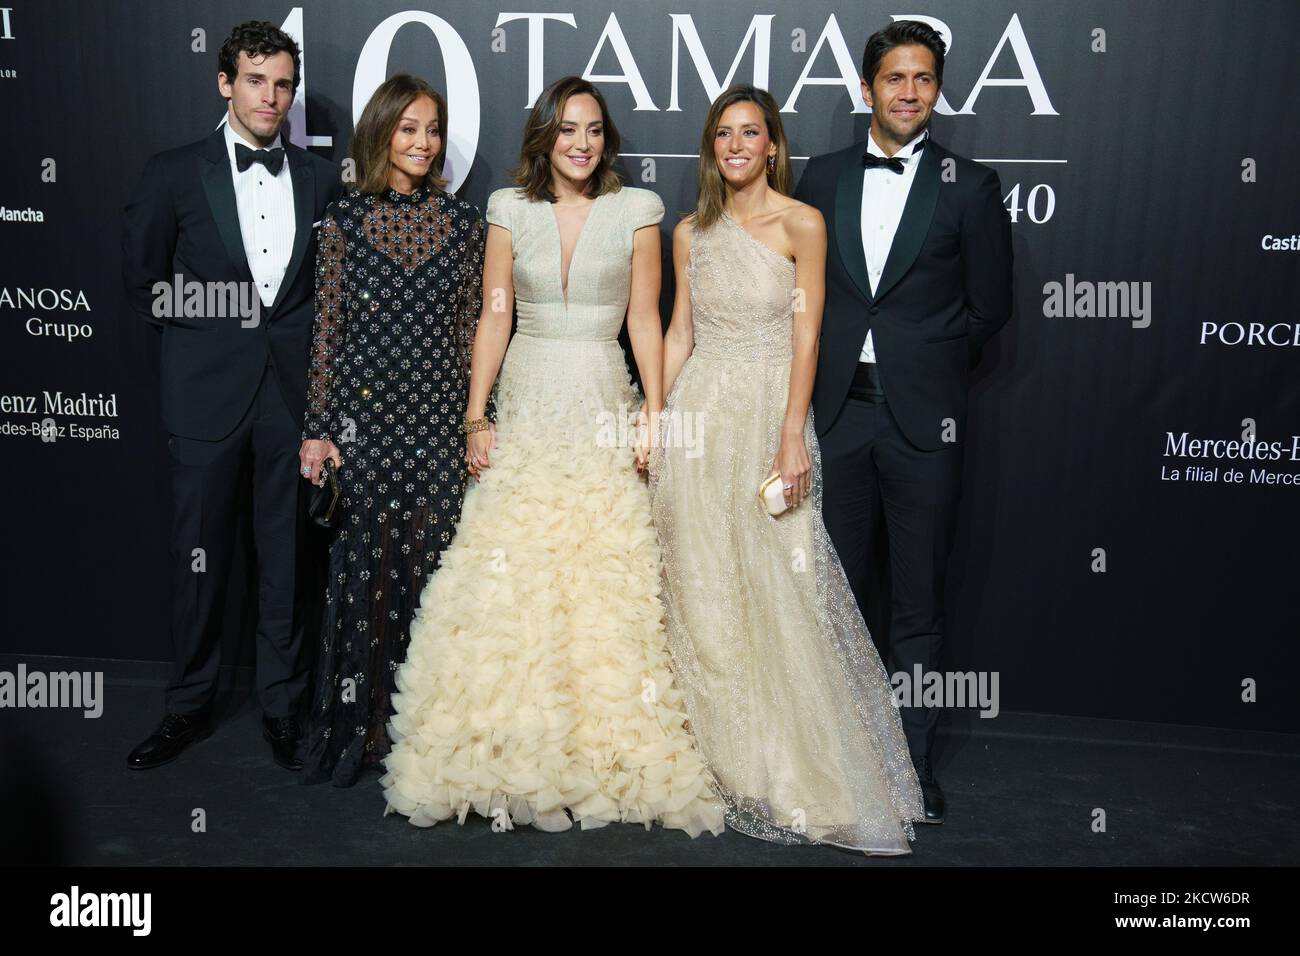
pixel 537 687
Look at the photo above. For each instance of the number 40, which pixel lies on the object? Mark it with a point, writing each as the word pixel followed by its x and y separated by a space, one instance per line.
pixel 1041 199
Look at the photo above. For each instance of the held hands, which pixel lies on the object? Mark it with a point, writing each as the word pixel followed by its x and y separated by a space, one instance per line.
pixel 647 427
pixel 795 468
pixel 312 455
pixel 477 446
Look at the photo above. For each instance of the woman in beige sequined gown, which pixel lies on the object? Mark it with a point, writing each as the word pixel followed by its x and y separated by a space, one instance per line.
pixel 787 697
pixel 537 688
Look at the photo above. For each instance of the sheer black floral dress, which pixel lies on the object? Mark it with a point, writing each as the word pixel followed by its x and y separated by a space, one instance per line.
pixel 398 291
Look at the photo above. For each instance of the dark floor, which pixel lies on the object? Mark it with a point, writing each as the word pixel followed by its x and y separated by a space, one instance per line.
pixel 1022 789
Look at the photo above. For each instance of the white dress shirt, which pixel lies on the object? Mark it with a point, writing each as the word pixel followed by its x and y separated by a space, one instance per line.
pixel 884 194
pixel 266 219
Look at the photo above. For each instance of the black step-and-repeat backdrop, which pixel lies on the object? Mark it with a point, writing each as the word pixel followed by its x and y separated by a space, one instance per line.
pixel 1128 537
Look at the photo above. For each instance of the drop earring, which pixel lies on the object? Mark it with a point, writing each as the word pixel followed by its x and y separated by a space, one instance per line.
pixel 771 164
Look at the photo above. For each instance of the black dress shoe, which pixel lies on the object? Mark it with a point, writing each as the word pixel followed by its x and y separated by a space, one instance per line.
pixel 174 734
pixel 283 734
pixel 931 793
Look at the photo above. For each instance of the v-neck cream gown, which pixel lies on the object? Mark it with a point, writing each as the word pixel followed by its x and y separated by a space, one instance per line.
pixel 538 676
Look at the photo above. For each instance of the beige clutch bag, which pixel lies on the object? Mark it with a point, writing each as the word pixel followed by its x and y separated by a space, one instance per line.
pixel 771 494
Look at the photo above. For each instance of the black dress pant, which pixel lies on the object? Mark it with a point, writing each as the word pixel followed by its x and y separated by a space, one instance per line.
pixel 875 481
pixel 206 478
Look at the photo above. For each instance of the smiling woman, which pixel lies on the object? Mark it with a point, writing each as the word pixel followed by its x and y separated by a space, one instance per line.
pixel 569 128
pixel 538 687
pixel 397 301
pixel 788 700
pixel 736 129
pixel 401 137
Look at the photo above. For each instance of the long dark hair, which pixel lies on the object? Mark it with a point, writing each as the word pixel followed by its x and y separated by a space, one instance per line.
pixel 533 174
pixel 712 190
pixel 373 137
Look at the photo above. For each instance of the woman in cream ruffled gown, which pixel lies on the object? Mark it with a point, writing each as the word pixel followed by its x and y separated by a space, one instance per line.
pixel 537 685
pixel 786 694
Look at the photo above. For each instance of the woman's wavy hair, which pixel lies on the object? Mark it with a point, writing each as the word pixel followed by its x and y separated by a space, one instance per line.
pixel 533 173
pixel 372 139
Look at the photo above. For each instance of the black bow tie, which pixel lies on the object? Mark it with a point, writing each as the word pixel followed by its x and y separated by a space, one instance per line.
pixel 872 161
pixel 272 159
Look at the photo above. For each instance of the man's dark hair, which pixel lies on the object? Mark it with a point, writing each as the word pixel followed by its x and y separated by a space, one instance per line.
pixel 257 38
pixel 901 33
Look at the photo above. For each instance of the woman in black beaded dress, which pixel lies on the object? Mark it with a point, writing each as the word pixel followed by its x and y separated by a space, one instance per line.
pixel 398 273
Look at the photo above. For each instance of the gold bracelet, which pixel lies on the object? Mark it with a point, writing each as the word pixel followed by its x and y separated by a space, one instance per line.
pixel 473 425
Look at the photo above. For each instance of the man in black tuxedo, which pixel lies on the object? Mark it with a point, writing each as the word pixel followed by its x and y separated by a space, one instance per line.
pixel 918 279
pixel 224 228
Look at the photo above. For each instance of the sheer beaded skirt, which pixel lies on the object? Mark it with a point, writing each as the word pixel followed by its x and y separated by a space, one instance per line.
pixel 787 697
pixel 399 279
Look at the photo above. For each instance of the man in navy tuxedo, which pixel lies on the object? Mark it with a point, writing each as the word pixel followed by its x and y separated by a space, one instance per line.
pixel 918 278
pixel 233 215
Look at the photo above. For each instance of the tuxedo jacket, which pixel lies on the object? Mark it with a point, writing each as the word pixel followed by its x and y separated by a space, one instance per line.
pixel 182 220
pixel 945 288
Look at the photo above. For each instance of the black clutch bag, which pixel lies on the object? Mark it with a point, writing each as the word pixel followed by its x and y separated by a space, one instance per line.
pixel 325 497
